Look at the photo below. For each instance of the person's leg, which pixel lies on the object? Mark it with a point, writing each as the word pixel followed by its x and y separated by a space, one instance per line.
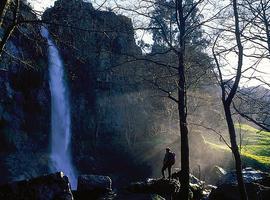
pixel 163 169
pixel 169 171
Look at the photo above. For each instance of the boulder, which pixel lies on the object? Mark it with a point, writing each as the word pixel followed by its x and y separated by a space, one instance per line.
pixel 193 179
pixel 136 196
pixel 255 191
pixel 249 174
pixel 197 187
pixel 94 183
pixel 94 186
pixel 48 187
pixel 156 186
pixel 257 186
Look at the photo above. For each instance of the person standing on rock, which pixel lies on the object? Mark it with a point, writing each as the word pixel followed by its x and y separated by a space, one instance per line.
pixel 168 162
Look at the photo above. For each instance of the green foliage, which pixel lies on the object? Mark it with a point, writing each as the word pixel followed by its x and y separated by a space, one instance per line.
pixel 164 20
pixel 255 144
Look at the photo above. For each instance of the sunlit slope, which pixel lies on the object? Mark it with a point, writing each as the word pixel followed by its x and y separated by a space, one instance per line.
pixel 255 146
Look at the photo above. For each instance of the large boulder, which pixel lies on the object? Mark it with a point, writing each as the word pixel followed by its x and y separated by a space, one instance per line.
pixel 48 187
pixel 136 196
pixel 162 187
pixel 94 182
pixel 197 187
pixel 249 174
pixel 94 186
pixel 257 186
pixel 231 192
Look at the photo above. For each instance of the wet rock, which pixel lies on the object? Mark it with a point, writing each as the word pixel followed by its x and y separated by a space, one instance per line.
pixel 249 174
pixel 231 192
pixel 48 187
pixel 133 196
pixel 193 179
pixel 197 187
pixel 257 186
pixel 197 191
pixel 94 186
pixel 94 182
pixel 156 186
pixel 217 173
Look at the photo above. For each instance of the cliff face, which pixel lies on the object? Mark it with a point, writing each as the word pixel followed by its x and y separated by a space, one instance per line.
pixel 24 102
pixel 95 46
pixel 103 97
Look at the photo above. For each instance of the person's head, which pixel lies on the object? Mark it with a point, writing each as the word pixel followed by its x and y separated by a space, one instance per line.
pixel 168 149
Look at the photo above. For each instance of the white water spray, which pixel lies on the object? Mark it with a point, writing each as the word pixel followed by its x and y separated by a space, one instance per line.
pixel 60 114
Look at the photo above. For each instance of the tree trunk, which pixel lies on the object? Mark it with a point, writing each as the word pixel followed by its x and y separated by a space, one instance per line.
pixel 182 104
pixel 183 127
pixel 184 147
pixel 235 151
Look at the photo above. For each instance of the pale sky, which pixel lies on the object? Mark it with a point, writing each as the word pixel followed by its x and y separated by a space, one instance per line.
pixel 40 5
pixel 263 66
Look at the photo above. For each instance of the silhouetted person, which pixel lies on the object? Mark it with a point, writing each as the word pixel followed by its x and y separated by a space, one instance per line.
pixel 168 162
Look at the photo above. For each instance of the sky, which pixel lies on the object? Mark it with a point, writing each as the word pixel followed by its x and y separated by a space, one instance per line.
pixel 40 5
pixel 263 69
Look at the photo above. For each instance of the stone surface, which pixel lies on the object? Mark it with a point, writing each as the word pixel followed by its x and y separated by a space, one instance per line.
pixel 249 174
pixel 132 196
pixel 94 182
pixel 257 186
pixel 48 187
pixel 231 192
pixel 156 186
pixel 94 186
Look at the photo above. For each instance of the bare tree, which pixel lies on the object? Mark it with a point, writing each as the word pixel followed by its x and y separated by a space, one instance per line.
pixel 229 89
pixel 173 33
pixel 251 103
pixel 257 17
pixel 10 27
pixel 3 7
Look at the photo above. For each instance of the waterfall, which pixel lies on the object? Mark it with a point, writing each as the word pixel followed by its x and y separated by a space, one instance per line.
pixel 60 114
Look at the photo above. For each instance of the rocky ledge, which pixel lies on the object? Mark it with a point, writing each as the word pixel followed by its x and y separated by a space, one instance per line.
pixel 95 187
pixel 52 186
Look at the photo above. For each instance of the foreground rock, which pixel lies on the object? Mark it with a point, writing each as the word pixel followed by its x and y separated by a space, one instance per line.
pixel 133 196
pixel 164 187
pixel 198 188
pixel 94 186
pixel 257 186
pixel 250 175
pixel 49 187
pixel 255 191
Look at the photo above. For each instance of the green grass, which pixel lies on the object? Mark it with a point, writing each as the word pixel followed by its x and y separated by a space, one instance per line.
pixel 255 147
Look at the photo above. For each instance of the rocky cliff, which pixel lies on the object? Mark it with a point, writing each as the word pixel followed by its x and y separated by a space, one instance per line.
pixel 93 44
pixel 24 102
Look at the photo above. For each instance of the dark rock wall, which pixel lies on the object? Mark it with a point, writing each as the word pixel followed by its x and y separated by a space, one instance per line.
pixel 24 103
pixel 94 46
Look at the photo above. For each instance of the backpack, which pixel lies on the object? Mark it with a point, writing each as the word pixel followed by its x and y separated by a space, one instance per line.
pixel 171 157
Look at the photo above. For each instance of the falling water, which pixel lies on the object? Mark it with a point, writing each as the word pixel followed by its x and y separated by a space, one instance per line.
pixel 60 114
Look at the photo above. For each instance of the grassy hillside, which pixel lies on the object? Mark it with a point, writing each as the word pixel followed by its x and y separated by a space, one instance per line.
pixel 255 146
